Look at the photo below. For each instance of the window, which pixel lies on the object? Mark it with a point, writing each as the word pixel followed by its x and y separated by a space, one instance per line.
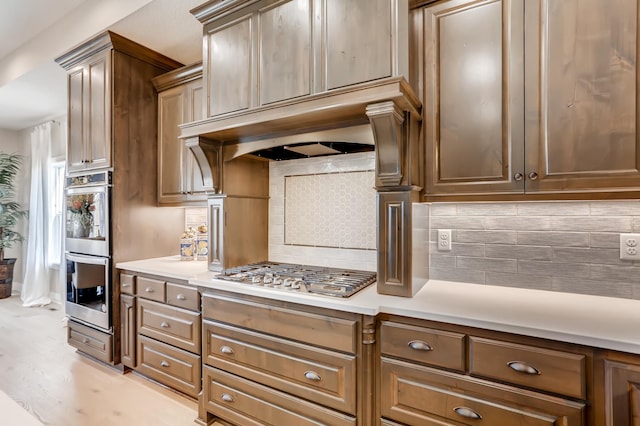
pixel 55 213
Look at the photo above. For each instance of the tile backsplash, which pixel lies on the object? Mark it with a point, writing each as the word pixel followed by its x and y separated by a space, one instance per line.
pixel 560 246
pixel 322 211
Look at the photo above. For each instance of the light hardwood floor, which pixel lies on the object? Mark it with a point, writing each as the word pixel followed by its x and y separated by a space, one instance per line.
pixel 45 375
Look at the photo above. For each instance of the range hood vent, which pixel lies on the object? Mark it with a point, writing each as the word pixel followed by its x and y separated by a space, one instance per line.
pixel 314 149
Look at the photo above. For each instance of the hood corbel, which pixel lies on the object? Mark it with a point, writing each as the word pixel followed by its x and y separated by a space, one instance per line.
pixel 208 155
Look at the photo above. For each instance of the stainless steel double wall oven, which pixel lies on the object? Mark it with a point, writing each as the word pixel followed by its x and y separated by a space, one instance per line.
pixel 88 249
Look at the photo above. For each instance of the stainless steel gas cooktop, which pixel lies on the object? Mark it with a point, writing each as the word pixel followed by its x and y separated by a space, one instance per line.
pixel 301 278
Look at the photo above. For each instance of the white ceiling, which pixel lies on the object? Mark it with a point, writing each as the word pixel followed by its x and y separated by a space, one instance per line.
pixel 35 32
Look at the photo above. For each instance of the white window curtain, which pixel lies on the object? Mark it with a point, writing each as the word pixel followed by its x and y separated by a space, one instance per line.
pixel 36 285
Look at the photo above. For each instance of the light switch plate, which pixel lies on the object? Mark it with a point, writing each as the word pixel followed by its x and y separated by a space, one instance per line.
pixel 630 246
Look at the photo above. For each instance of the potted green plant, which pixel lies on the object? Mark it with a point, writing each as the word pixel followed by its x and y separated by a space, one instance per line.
pixel 10 214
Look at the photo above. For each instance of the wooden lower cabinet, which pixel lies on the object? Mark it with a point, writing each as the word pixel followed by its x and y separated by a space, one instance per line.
pixel 276 363
pixel 128 330
pixel 419 395
pixel 90 341
pixel 622 393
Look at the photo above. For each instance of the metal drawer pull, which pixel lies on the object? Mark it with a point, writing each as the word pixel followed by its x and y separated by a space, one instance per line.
pixel 419 345
pixel 164 324
pixel 518 176
pixel 226 397
pixel 85 341
pixel 522 367
pixel 148 290
pixel 226 350
pixel 125 285
pixel 164 364
pixel 533 176
pixel 467 412
pixel 312 375
pixel 181 297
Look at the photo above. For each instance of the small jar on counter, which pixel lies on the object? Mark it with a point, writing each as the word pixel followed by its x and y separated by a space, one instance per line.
pixel 187 246
pixel 202 243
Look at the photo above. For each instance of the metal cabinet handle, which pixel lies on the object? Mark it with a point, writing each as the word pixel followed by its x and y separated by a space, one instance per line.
pixel 85 341
pixel 226 350
pixel 467 413
pixel 226 397
pixel 125 285
pixel 164 324
pixel 523 367
pixel 419 345
pixel 148 290
pixel 312 375
pixel 518 176
pixel 181 297
pixel 533 176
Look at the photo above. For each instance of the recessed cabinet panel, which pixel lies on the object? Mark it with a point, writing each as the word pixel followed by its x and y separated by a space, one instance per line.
pixel 285 49
pixel 230 67
pixel 584 55
pixel 75 149
pixel 358 41
pixel 171 114
pixel 473 96
pixel 195 98
pixel 99 109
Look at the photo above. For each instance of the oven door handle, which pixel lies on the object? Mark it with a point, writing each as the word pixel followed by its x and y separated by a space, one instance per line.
pixel 87 259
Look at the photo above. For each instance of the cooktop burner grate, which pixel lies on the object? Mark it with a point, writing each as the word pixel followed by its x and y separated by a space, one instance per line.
pixel 333 282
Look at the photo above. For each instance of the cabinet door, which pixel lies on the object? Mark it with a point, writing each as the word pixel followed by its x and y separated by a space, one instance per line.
pixel 622 393
pixel 473 96
pixel 128 330
pixel 75 140
pixel 359 38
pixel 97 111
pixel 228 71
pixel 582 95
pixel 171 113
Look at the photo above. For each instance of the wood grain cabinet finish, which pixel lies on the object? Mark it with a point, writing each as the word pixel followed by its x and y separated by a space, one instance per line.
pixel 570 126
pixel 89 109
pixel 622 393
pixel 414 394
pixel 285 50
pixel 128 330
pixel 424 345
pixel 440 374
pixel 538 368
pixel 127 284
pixel 168 324
pixel 180 100
pixel 270 362
pixel 151 288
pixel 90 341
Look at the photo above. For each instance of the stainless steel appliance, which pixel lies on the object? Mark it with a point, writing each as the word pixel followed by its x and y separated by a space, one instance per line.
pixel 88 249
pixel 320 280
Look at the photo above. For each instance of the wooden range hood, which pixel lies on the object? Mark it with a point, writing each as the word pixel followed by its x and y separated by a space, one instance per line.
pixel 389 106
pixel 386 108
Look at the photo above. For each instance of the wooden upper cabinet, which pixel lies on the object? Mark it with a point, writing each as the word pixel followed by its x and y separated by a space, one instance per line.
pixel 286 49
pixel 358 41
pixel 473 96
pixel 581 95
pixel 180 100
pixel 89 142
pixel 529 100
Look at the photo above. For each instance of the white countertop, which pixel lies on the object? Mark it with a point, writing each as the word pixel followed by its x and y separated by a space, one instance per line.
pixel 604 322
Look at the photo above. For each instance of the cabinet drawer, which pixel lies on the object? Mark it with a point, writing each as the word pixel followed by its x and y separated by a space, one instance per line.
pixel 183 296
pixel 414 394
pixel 325 377
pixel 329 332
pixel 92 342
pixel 243 402
pixel 170 325
pixel 127 284
pixel 548 370
pixel 171 366
pixel 151 289
pixel 435 347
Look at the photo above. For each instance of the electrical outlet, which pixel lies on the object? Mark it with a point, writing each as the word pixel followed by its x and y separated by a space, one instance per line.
pixel 629 249
pixel 444 239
